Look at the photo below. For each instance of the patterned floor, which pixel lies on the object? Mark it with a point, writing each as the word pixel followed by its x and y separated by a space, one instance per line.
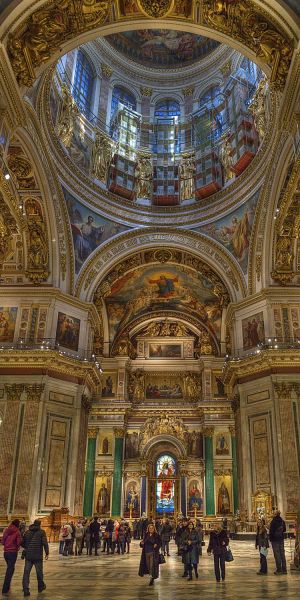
pixel 115 577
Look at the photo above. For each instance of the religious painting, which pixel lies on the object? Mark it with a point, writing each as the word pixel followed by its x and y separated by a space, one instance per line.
pixel 153 288
pixel 164 387
pixel 162 48
pixel 109 386
pixel 132 498
pixel 102 495
pixel 223 486
pixel 253 330
pixel 132 444
pixel 222 444
pixel 165 350
pixel 195 495
pixel 67 331
pixel 195 444
pixel 234 230
pixel 8 317
pixel 218 385
pixel 89 229
pixel 105 443
pixel 165 485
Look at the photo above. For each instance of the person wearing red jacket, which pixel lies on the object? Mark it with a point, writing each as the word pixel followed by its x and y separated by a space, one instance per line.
pixel 11 541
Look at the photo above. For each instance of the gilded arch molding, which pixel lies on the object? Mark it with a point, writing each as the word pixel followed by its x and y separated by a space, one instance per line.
pixel 127 244
pixel 37 38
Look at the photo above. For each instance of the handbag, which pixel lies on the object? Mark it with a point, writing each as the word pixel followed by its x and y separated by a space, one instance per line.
pixel 228 555
pixel 264 552
pixel 161 559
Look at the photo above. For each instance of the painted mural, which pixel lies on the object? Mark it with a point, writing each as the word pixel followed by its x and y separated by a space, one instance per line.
pixel 234 231
pixel 253 329
pixel 161 48
pixel 8 316
pixel 109 388
pixel 165 350
pixel 195 495
pixel 152 288
pixel 67 331
pixel 89 230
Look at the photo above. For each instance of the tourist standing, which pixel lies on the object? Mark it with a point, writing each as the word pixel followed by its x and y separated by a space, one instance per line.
pixel 79 532
pixel 34 542
pixel 276 535
pixel 11 541
pixel 262 543
pixel 150 545
pixel 166 532
pixel 95 536
pixel 191 544
pixel 218 541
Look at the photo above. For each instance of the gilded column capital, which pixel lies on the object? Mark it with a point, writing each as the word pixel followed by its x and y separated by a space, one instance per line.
pixel 232 430
pixel 296 387
pixel 208 431
pixel 188 91
pixel 106 71
pixel 92 434
pixel 283 390
pixel 34 392
pixel 14 391
pixel 119 432
pixel 146 91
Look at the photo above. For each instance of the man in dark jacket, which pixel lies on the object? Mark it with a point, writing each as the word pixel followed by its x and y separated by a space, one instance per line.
pixel 95 535
pixel 218 541
pixel 276 536
pixel 34 542
pixel 165 534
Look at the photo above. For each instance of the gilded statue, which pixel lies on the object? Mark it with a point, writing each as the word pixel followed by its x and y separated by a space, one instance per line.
pixel 162 425
pixel 67 117
pixel 284 254
pixel 153 329
pixel 206 347
pixel 125 348
pixel 258 108
pixel 143 176
pixel 38 247
pixel 102 154
pixel 225 155
pixel 137 386
pixel 193 387
pixel 187 172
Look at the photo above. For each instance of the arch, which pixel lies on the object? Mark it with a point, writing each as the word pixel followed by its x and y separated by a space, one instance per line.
pixel 157 445
pixel 167 107
pixel 121 94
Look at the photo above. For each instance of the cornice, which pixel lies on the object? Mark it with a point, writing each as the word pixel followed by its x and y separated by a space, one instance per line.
pixel 266 362
pixel 271 294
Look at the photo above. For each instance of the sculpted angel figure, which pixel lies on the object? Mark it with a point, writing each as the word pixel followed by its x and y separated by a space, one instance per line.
pixel 67 117
pixel 226 159
pixel 102 154
pixel 258 108
pixel 144 175
pixel 187 171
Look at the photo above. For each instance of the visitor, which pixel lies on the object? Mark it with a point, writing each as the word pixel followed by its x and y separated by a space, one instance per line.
pixel 127 537
pixel 79 532
pixel 34 542
pixel 191 543
pixel 87 536
pixel 135 529
pixel 121 538
pixel 95 537
pixel 262 543
pixel 71 543
pixel 61 539
pixel 67 535
pixel 150 545
pixel 179 541
pixel 218 542
pixel 11 541
pixel 276 535
pixel 165 533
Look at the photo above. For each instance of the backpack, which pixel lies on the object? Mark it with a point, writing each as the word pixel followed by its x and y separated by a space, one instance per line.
pixel 65 532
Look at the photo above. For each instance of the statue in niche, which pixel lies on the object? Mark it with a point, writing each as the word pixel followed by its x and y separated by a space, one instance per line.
pixel 206 347
pixel 193 386
pixel 137 386
pixel 102 506
pixel 220 386
pixel 67 117
pixel 226 159
pixel 143 175
pixel 105 446
pixel 284 256
pixel 187 171
pixel 102 154
pixel 38 246
pixel 223 500
pixel 258 108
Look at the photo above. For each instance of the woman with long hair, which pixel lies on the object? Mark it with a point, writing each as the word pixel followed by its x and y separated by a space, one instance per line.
pixel 191 550
pixel 262 543
pixel 150 545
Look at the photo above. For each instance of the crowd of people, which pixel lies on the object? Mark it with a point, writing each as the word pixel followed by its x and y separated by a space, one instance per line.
pixel 115 536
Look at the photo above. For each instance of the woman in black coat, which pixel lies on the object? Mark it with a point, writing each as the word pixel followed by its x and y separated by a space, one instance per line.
pixel 218 542
pixel 151 544
pixel 262 543
pixel 191 544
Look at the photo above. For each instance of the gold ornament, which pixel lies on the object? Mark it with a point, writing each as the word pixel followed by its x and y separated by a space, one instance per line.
pixel 106 71
pixel 34 392
pixel 208 431
pixel 102 154
pixel 146 91
pixel 119 432
pixel 155 9
pixel 92 434
pixel 188 91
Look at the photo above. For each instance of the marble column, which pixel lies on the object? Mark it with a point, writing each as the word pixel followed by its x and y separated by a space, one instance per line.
pixel 117 477
pixel 9 434
pixel 234 470
pixel 143 494
pixel 209 471
pixel 90 473
pixel 82 439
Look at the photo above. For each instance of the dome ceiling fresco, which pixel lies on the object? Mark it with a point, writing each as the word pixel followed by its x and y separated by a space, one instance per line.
pixel 162 48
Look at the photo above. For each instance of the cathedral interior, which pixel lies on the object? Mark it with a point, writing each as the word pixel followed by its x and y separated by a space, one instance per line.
pixel 149 258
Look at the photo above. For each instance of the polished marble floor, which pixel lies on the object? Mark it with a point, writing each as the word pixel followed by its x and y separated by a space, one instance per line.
pixel 115 578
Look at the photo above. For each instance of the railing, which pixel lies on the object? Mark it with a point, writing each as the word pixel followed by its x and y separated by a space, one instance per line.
pixel 46 344
pixel 274 343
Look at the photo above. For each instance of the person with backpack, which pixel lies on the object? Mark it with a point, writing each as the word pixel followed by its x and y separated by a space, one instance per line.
pixel 34 542
pixel 67 537
pixel 11 541
pixel 276 536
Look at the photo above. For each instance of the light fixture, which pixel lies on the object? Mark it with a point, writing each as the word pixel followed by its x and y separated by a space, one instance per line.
pixel 7 176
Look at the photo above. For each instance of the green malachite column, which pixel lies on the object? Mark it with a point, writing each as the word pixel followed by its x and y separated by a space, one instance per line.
pixel 90 474
pixel 209 471
pixel 117 478
pixel 234 471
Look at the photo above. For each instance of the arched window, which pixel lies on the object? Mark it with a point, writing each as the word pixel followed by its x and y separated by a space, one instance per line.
pixel 212 105
pixel 121 96
pixel 212 97
pixel 165 485
pixel 83 83
pixel 167 108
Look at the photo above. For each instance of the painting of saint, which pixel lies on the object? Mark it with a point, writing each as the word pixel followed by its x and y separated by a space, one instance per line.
pixel 195 495
pixel 8 316
pixel 253 331
pixel 67 331
pixel 223 500
pixel 102 506
pixel 132 445
pixel 132 498
pixel 222 446
pixel 165 285
pixel 89 229
pixel 109 387
pixel 165 469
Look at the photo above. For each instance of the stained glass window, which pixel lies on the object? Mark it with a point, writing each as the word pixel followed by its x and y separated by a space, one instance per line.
pixel 165 485
pixel 167 108
pixel 83 83
pixel 121 96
